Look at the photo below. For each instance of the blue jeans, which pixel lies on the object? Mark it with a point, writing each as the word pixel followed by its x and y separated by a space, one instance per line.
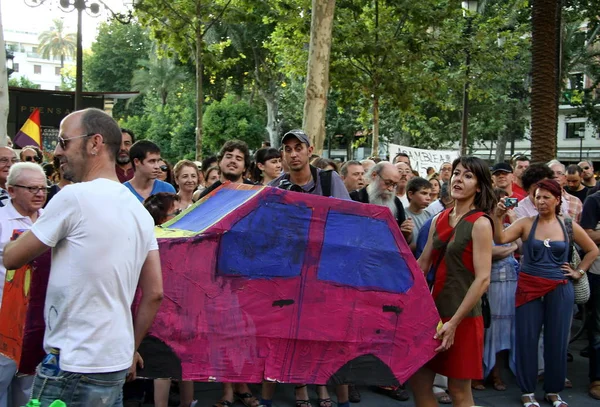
pixel 78 389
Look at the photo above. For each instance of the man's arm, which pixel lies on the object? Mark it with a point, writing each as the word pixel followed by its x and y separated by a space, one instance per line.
pixel 21 251
pixel 590 218
pixel 151 283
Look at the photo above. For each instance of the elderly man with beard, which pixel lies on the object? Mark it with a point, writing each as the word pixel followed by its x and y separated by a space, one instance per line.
pixel 124 167
pixel 381 191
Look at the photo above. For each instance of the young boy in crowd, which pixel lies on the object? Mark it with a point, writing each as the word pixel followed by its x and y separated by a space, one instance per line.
pixel 418 192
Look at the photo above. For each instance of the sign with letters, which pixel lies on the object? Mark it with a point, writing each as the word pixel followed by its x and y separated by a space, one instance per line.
pixel 421 159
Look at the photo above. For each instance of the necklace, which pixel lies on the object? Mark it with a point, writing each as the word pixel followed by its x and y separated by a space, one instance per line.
pixel 547 243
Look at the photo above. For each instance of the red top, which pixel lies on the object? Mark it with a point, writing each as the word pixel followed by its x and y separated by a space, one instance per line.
pixel 518 192
pixel 124 175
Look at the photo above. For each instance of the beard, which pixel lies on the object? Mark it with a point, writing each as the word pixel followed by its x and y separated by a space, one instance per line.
pixel 122 160
pixel 232 177
pixel 382 198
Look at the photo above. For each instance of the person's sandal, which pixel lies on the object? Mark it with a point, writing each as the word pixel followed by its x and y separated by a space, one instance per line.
pixel 302 403
pixel 443 397
pixel 557 402
pixel 594 390
pixel 223 403
pixel 477 385
pixel 325 402
pixel 498 384
pixel 531 403
pixel 247 399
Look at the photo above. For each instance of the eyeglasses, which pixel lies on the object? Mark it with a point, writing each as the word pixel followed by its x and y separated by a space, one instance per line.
pixel 33 190
pixel 164 168
pixel 30 158
pixel 177 212
pixel 64 142
pixel 388 182
pixel 585 168
pixel 5 160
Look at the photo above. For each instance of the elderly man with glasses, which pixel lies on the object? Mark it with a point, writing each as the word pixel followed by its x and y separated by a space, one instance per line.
pixel 27 188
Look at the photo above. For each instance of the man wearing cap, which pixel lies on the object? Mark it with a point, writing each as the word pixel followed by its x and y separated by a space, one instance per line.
pixel 296 152
pixel 502 177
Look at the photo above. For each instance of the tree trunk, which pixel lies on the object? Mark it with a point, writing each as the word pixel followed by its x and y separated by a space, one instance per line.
pixel 375 144
pixel 3 89
pixel 545 71
pixel 317 78
pixel 199 91
pixel 272 124
pixel 501 146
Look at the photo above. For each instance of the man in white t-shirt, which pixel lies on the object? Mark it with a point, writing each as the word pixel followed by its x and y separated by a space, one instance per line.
pixel 26 185
pixel 103 243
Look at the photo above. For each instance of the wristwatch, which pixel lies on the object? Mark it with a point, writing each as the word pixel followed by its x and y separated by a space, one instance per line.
pixel 581 271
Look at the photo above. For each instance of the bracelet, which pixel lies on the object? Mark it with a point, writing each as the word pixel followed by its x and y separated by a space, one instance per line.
pixel 581 271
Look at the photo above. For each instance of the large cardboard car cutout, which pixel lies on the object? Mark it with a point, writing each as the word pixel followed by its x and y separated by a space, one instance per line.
pixel 266 284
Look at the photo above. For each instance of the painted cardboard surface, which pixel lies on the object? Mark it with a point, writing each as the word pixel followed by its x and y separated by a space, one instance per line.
pixel 291 287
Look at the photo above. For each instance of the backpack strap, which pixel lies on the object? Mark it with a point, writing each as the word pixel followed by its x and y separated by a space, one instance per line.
pixel 325 178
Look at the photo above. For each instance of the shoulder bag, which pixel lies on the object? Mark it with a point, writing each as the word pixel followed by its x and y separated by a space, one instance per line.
pixel 581 287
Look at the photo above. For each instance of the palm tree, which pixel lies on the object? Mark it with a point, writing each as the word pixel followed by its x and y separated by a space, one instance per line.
pixel 56 43
pixel 545 29
pixel 158 75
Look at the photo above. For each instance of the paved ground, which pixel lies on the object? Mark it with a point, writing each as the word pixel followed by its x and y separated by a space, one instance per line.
pixel 208 393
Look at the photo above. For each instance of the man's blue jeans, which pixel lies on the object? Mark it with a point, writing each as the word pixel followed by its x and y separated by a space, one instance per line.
pixel 77 389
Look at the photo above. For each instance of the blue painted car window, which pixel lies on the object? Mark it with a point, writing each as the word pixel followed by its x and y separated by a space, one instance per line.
pixel 258 244
pixel 361 252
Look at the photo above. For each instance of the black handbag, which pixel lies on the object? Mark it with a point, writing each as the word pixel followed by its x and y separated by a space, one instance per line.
pixel 486 312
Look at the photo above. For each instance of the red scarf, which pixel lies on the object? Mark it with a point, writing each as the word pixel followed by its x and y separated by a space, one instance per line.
pixel 530 287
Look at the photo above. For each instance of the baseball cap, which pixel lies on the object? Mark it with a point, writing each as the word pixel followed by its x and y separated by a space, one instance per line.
pixel 501 167
pixel 299 134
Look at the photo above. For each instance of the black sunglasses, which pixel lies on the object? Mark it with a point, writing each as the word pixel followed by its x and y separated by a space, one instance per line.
pixel 164 168
pixel 64 142
pixel 30 158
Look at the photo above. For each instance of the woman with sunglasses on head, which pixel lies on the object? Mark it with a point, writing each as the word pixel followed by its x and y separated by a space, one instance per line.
pixel 461 278
pixel 186 178
pixel 544 289
pixel 165 172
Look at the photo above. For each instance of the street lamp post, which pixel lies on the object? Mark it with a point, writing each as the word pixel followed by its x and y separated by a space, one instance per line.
pixel 92 8
pixel 581 134
pixel 469 9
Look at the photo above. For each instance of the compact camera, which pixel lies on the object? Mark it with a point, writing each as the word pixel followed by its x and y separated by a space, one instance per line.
pixel 511 203
pixel 290 186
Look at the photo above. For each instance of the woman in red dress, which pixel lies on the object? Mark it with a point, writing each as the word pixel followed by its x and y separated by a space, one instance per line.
pixel 460 280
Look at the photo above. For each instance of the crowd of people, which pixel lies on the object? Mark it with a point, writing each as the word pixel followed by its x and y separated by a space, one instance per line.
pixel 495 245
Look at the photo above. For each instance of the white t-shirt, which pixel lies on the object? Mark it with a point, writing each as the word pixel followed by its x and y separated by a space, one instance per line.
pixel 101 235
pixel 10 220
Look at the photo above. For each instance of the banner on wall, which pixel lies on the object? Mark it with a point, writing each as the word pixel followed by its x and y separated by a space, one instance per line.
pixel 421 159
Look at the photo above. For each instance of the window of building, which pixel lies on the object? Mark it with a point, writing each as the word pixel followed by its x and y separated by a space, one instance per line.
pixel 15 67
pixel 573 129
pixel 57 70
pixel 37 69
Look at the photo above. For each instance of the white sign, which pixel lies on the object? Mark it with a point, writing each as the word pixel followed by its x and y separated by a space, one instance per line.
pixel 421 159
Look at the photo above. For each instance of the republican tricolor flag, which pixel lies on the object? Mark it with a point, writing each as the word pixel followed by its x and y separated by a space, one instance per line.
pixel 30 134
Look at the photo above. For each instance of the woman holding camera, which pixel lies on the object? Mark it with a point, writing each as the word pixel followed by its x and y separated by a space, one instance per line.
pixel 544 289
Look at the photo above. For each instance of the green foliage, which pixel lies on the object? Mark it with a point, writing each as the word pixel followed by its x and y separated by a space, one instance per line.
pixel 232 119
pixel 55 42
pixel 23 82
pixel 157 76
pixel 170 126
pixel 115 55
